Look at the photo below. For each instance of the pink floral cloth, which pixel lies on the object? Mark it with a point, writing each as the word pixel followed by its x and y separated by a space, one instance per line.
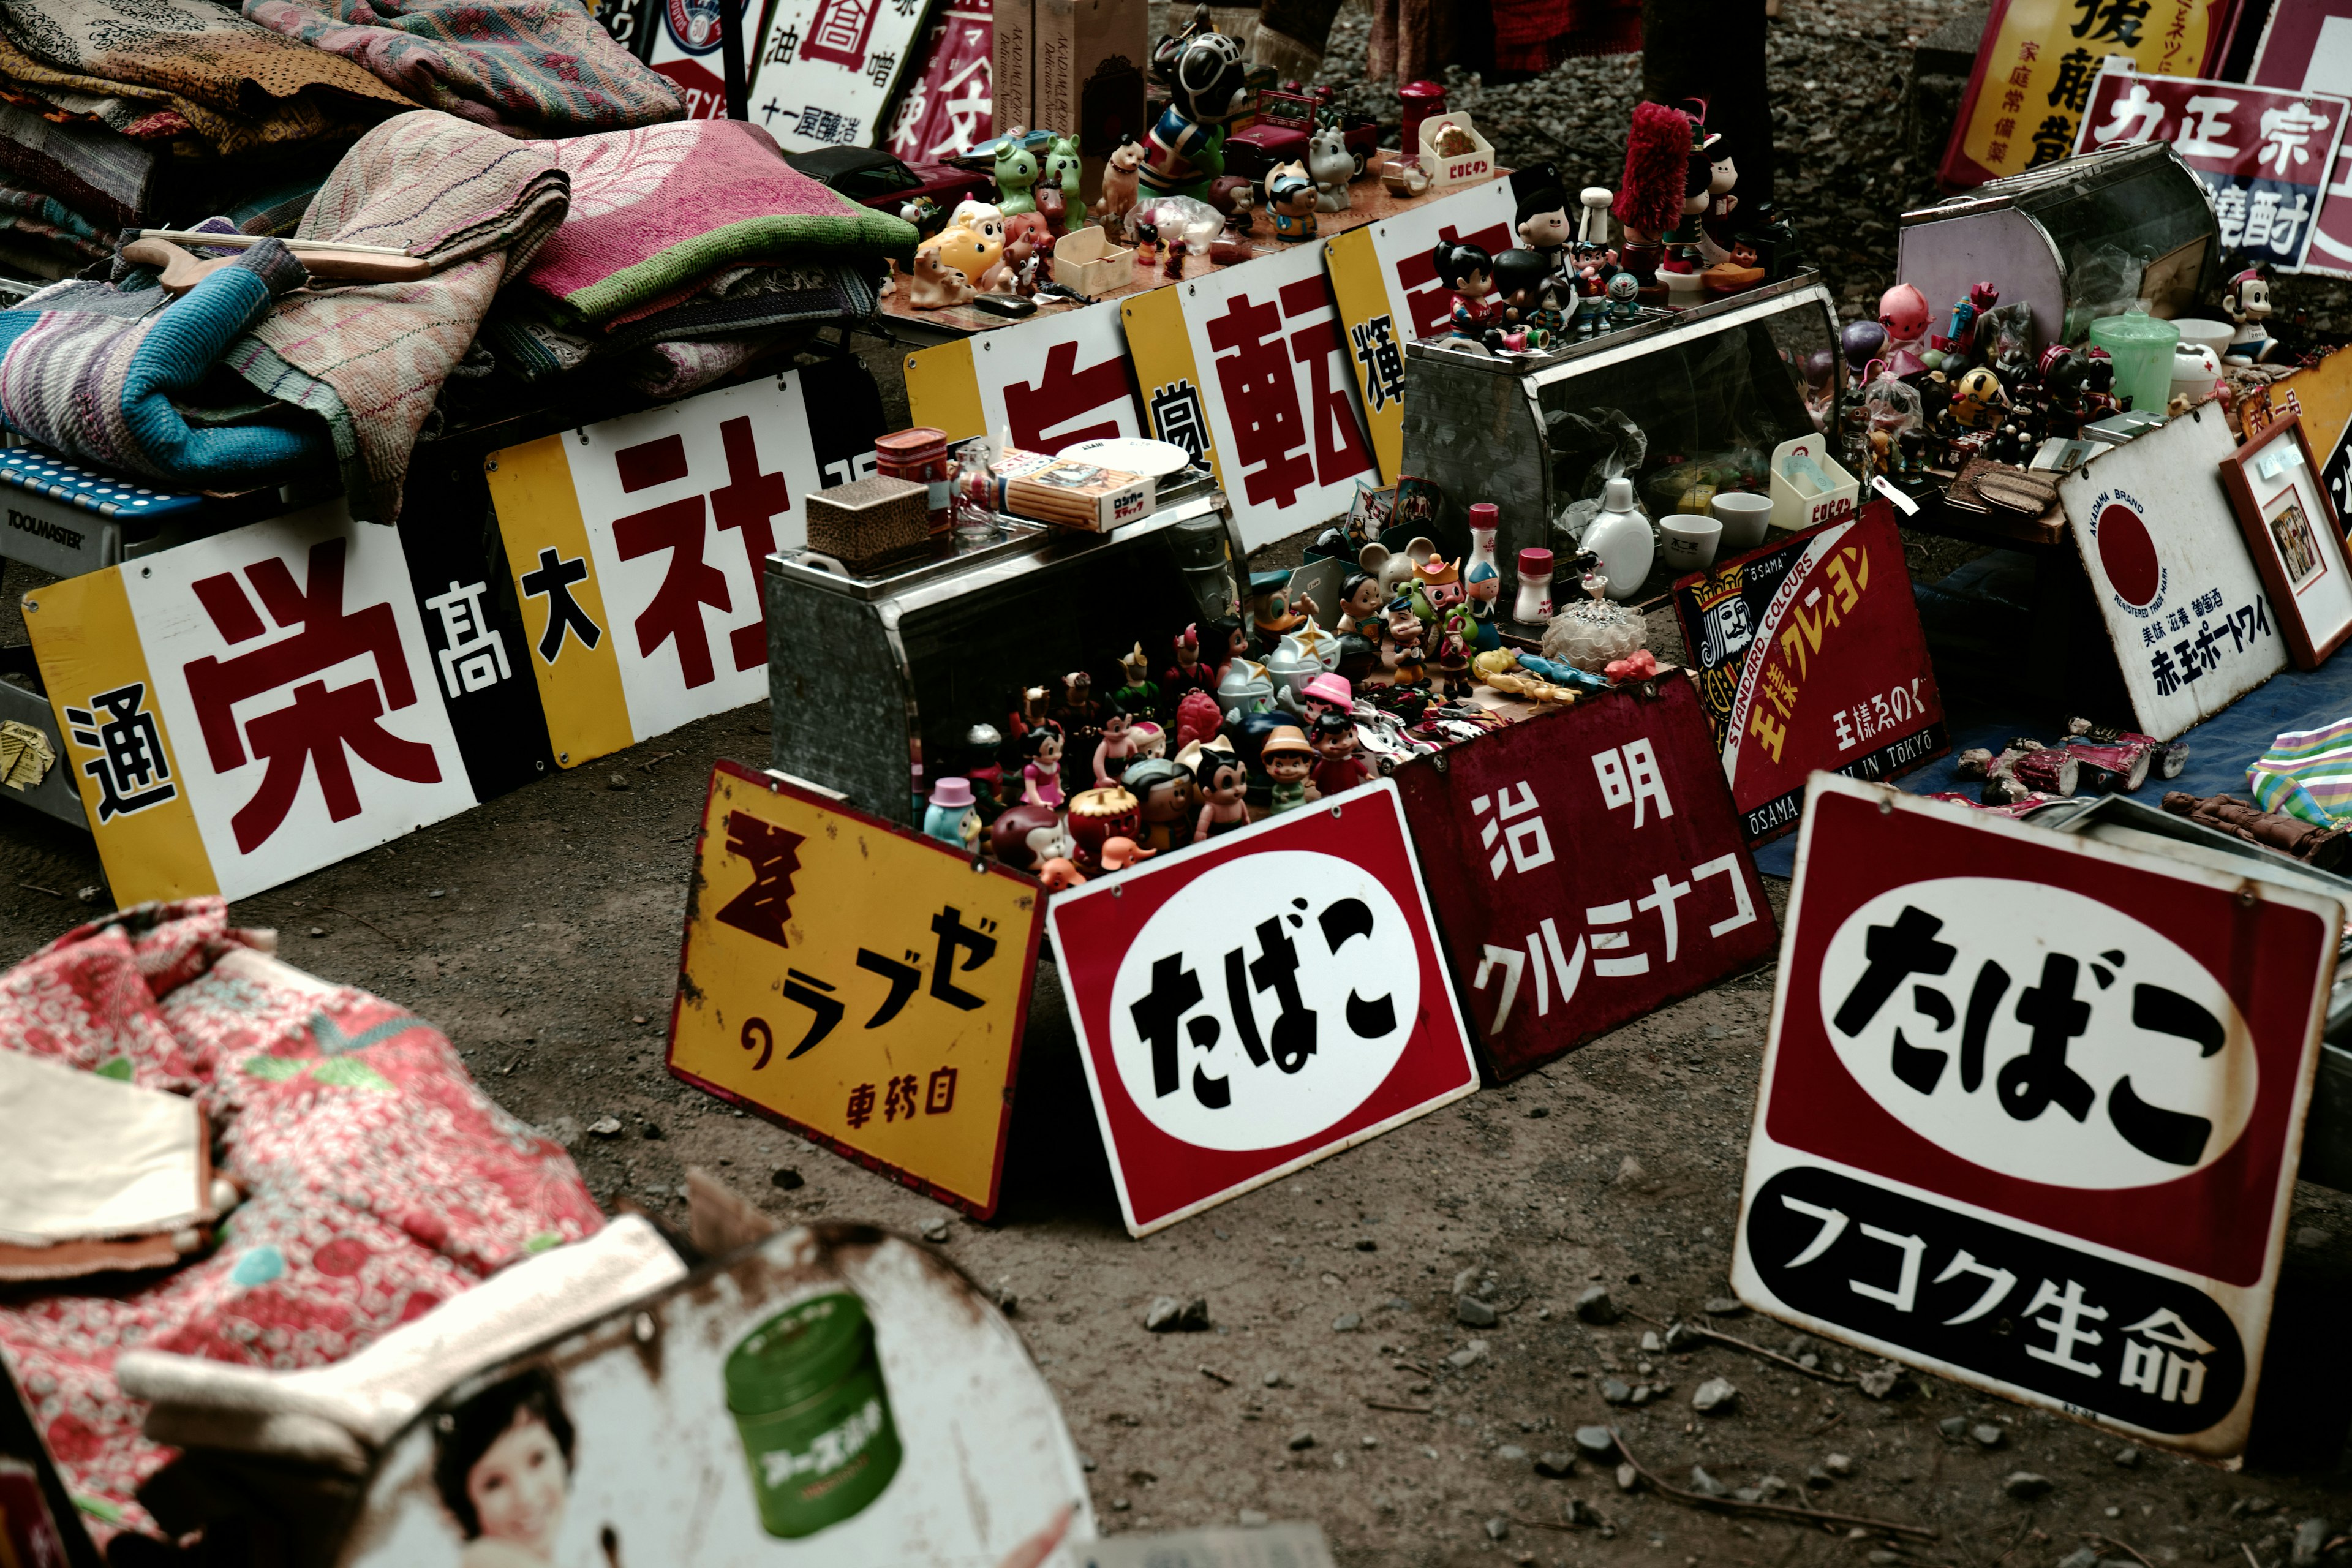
pixel 379 1179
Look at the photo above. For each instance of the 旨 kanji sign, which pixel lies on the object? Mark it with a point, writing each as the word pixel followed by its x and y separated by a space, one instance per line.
pixel 2262 155
pixel 250 707
pixel 1809 654
pixel 1052 381
pixel 638 547
pixel 1259 1002
pixel 1384 276
pixel 825 69
pixel 864 985
pixel 1249 367
pixel 2031 1110
pixel 1553 947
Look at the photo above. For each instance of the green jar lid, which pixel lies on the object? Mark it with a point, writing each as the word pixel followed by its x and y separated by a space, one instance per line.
pixel 798 1354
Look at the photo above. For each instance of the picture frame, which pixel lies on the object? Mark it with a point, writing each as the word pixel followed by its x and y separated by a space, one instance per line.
pixel 2294 536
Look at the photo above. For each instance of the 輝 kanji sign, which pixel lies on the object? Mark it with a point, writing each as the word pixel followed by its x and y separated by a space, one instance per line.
pixel 1052 381
pixel 2031 1110
pixel 1809 654
pixel 1553 947
pixel 2263 155
pixel 1385 279
pixel 1259 1002
pixel 1249 366
pixel 862 984
pixel 639 547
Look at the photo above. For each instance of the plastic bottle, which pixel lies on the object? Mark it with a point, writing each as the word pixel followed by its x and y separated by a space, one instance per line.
pixel 1620 534
pixel 1534 603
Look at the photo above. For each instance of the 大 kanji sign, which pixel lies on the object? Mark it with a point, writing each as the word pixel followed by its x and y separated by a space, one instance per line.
pixel 862 984
pixel 1249 366
pixel 1809 654
pixel 1259 1002
pixel 639 547
pixel 2031 1112
pixel 2262 155
pixel 1052 381
pixel 1385 280
pixel 1553 947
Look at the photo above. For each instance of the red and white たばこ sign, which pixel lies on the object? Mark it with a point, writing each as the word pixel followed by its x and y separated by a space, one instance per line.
pixel 1259 1002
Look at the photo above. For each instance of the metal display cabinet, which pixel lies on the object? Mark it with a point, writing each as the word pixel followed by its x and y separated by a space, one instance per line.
pixel 1723 378
pixel 23 699
pixel 2030 235
pixel 868 676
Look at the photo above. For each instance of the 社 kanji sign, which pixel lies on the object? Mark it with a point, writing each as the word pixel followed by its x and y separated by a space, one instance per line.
pixel 1259 1002
pixel 862 984
pixel 2031 1110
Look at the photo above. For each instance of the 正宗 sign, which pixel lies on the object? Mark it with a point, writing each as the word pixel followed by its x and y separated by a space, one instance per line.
pixel 825 69
pixel 1809 654
pixel 2179 597
pixel 1249 366
pixel 2261 155
pixel 1259 1002
pixel 1385 279
pixel 2301 51
pixel 2036 64
pixel 1552 947
pixel 2031 1110
pixel 638 546
pixel 862 984
pixel 250 707
pixel 1052 381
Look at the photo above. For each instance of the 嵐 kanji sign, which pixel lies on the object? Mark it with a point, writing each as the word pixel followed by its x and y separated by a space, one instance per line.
pixel 1553 947
pixel 1052 381
pixel 1259 1002
pixel 2031 1110
pixel 1249 366
pixel 639 547
pixel 1385 278
pixel 863 984
pixel 2262 155
pixel 1809 654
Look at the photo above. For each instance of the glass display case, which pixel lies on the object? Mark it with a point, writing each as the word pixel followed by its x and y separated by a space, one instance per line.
pixel 1682 402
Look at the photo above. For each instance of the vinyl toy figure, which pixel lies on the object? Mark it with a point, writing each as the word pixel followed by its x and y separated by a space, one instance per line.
pixel 1338 768
pixel 1042 775
pixel 1287 758
pixel 1469 272
pixel 1208 84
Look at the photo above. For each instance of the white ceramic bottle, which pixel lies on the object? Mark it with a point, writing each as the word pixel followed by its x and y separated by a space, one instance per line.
pixel 1621 536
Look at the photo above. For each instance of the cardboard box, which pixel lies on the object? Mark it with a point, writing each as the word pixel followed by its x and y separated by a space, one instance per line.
pixel 1011 65
pixel 1461 168
pixel 1071 492
pixel 1087 260
pixel 1090 59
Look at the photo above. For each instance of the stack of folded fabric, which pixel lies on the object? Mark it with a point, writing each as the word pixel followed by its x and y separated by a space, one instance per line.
pixel 64 188
pixel 691 250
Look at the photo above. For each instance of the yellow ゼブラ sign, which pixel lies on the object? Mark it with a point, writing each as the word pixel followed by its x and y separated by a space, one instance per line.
pixel 864 985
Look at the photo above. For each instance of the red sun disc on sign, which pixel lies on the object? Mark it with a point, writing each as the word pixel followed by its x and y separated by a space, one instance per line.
pixel 2127 554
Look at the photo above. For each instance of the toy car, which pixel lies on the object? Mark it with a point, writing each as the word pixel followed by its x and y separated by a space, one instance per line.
pixel 876 179
pixel 1278 134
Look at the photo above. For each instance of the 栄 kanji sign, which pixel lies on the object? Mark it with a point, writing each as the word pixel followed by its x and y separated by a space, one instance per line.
pixel 1553 946
pixel 2031 1110
pixel 864 985
pixel 1259 1002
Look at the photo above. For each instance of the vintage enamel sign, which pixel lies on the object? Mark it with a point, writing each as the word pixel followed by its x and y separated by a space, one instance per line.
pixel 2031 1110
pixel 1052 381
pixel 825 71
pixel 1259 1002
pixel 864 985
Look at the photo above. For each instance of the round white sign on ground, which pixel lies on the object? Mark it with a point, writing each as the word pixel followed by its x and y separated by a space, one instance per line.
pixel 2037 1032
pixel 1319 953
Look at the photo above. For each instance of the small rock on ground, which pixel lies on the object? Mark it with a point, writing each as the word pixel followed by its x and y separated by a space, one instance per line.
pixel 1988 1435
pixel 1301 1440
pixel 1595 1306
pixel 1497 1528
pixel 2025 1486
pixel 1715 1393
pixel 605 1126
pixel 1724 1307
pixel 1596 1441
pixel 2310 1537
pixel 1555 1466
pixel 1346 1322
pixel 1476 1313
pixel 935 1229
pixel 1170 1316
pixel 1839 1465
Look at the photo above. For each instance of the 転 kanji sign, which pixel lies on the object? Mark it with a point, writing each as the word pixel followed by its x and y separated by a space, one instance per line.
pixel 1249 366
pixel 825 69
pixel 862 984
pixel 1809 654
pixel 1052 381
pixel 2181 598
pixel 2031 1110
pixel 1553 947
pixel 639 548
pixel 1384 276
pixel 2262 155
pixel 1259 1002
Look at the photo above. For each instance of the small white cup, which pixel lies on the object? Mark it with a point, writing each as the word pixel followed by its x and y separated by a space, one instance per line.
pixel 1743 515
pixel 1690 541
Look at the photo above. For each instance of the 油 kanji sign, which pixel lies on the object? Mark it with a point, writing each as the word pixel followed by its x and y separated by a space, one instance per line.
pixel 1259 1002
pixel 864 985
pixel 2031 1110
pixel 1553 947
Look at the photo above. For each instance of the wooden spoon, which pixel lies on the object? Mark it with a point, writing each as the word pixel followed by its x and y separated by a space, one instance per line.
pixel 180 271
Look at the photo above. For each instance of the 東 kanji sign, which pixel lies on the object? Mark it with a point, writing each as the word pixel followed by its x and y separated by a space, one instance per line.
pixel 2031 1110
pixel 862 984
pixel 1259 1003
pixel 1554 947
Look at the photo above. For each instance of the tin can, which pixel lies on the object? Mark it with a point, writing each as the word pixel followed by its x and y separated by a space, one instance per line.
pixel 921 455
pixel 805 1389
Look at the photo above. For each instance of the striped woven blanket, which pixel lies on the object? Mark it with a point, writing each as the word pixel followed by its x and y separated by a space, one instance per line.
pixel 2307 774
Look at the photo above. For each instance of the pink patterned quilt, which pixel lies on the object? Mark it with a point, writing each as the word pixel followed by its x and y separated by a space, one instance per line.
pixel 379 1179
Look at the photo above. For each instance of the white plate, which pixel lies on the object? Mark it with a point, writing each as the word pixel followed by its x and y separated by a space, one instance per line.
pixel 1132 455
